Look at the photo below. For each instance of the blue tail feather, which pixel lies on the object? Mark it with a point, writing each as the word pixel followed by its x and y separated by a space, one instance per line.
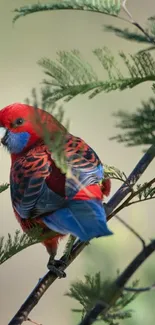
pixel 83 219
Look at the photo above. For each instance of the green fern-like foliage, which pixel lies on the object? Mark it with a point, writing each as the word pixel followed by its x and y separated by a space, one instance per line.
pixel 93 289
pixel 72 76
pixel 114 173
pixel 138 127
pixel 4 187
pixel 34 100
pixel 147 37
pixel 145 193
pixel 109 7
pixel 135 36
pixel 14 244
pixel 127 34
pixel 56 146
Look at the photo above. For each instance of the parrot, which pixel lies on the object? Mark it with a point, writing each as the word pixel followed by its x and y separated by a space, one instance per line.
pixel 44 194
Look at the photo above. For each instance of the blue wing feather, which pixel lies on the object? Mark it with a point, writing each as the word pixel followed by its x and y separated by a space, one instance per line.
pixel 83 219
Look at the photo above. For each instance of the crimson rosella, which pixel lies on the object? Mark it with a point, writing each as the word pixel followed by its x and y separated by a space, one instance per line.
pixel 40 192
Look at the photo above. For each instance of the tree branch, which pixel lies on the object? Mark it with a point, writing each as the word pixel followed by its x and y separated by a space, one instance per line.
pixel 127 202
pixel 124 190
pixel 152 287
pixel 41 287
pixel 117 286
pixel 49 277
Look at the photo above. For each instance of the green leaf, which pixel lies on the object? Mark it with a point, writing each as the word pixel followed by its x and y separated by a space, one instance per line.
pixel 109 7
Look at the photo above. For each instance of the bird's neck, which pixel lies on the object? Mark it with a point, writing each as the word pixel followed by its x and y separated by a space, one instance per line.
pixel 15 156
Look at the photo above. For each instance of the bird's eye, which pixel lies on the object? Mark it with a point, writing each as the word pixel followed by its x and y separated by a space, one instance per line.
pixel 19 121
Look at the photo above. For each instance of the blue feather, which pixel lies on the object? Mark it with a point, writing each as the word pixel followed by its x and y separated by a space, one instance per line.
pixel 83 219
pixel 16 142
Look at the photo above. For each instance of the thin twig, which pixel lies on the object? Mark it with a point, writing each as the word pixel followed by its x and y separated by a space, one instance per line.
pixel 133 194
pixel 118 285
pixel 41 287
pixel 49 278
pixel 142 200
pixel 127 11
pixel 33 322
pixel 131 229
pixel 140 289
pixel 133 22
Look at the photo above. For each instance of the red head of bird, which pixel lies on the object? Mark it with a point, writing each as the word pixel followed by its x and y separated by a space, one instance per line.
pixel 21 127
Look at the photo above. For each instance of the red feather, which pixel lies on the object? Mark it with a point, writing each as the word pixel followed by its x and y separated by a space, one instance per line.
pixel 106 187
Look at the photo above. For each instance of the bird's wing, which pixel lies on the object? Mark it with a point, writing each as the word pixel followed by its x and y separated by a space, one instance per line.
pixel 30 193
pixel 84 164
pixel 80 155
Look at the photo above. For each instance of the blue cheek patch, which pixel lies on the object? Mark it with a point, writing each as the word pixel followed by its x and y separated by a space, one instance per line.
pixel 16 142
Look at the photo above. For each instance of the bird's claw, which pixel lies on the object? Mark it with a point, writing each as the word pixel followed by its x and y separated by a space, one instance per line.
pixel 55 267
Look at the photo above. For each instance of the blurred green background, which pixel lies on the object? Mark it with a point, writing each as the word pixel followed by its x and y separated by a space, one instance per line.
pixel 22 45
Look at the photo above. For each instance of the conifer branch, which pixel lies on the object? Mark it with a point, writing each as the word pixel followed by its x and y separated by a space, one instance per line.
pixel 147 36
pixel 138 127
pixel 93 289
pixel 117 286
pixel 49 278
pixel 124 190
pixel 144 190
pixel 133 22
pixel 11 246
pixel 127 34
pixel 72 76
pixel 109 7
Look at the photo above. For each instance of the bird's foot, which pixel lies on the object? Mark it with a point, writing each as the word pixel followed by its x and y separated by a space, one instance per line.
pixel 55 267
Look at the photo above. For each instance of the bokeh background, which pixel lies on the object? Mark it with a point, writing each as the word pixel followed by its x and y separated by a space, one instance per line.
pixel 21 46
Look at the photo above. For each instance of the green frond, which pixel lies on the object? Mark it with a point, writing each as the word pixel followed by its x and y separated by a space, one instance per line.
pixel 138 127
pixel 112 318
pixel 127 298
pixel 14 244
pixel 109 7
pixel 4 187
pixel 145 193
pixel 70 70
pixel 135 36
pixel 72 76
pixel 93 289
pixel 127 34
pixel 56 146
pixel 114 173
